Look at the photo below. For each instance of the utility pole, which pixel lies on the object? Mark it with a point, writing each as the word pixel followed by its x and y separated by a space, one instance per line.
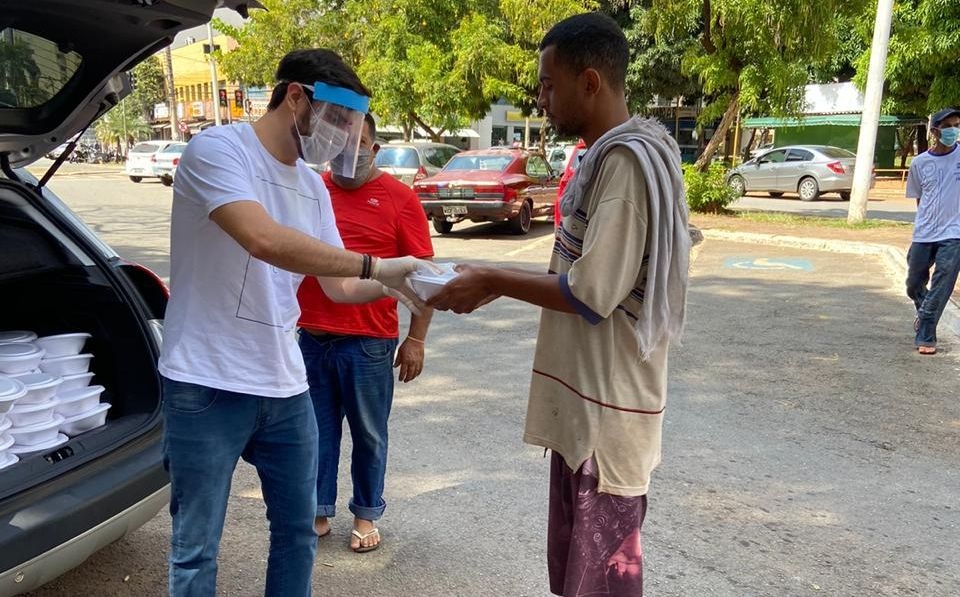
pixel 171 95
pixel 870 118
pixel 213 79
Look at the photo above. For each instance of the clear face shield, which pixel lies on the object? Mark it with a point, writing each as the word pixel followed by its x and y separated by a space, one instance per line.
pixel 336 125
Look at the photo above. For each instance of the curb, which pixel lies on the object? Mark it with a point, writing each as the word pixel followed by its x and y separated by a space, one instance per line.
pixel 894 259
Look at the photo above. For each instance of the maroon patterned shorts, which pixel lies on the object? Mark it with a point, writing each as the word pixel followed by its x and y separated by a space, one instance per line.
pixel 593 539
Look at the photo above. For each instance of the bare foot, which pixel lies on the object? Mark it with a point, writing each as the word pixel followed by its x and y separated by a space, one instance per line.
pixel 369 536
pixel 321 525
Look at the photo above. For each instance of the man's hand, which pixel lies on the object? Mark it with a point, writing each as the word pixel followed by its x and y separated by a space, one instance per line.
pixel 407 298
pixel 409 360
pixel 465 293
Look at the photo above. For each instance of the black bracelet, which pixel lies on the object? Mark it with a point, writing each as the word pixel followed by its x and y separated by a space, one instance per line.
pixel 365 267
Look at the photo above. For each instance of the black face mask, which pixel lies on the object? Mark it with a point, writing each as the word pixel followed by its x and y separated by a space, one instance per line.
pixel 365 159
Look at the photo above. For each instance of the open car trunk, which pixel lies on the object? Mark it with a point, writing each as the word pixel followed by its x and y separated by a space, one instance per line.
pixel 55 279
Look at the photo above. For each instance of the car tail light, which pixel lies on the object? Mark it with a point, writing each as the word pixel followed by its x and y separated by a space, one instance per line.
pixel 426 189
pixel 836 167
pixel 153 158
pixel 420 175
pixel 509 193
pixel 176 161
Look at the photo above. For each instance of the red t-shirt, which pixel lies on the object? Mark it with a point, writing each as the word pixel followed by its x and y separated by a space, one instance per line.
pixel 382 218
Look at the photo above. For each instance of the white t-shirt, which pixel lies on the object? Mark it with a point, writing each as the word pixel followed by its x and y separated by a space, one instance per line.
pixel 935 181
pixel 231 320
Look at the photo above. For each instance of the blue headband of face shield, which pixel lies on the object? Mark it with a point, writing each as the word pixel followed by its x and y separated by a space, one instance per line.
pixel 340 96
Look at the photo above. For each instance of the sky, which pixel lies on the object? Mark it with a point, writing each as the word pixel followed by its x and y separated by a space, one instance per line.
pixel 224 14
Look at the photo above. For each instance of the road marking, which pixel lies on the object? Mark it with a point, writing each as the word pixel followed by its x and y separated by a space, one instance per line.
pixel 766 263
pixel 530 245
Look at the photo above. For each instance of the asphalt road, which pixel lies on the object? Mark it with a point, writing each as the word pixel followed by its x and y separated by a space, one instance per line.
pixel 808 449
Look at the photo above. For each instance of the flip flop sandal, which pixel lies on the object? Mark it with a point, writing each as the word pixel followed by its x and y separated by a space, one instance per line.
pixel 927 350
pixel 361 536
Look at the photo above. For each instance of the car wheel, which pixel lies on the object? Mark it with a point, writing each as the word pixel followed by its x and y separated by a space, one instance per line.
pixel 136 178
pixel 520 223
pixel 808 189
pixel 737 185
pixel 167 181
pixel 442 226
pixel 775 194
pixel 845 195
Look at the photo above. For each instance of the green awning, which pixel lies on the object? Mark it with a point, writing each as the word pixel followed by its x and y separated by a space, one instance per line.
pixel 770 122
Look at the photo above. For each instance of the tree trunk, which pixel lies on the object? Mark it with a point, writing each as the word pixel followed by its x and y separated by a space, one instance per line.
pixel 175 133
pixel 703 162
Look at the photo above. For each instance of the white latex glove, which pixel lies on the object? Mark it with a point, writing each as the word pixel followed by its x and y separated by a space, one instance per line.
pixel 393 272
pixel 412 302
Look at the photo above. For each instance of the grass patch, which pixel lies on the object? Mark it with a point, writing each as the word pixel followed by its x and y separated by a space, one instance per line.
pixel 786 219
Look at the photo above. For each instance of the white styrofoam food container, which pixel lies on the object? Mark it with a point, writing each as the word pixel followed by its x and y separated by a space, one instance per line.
pixel 5 424
pixel 40 387
pixel 11 390
pixel 79 401
pixel 75 381
pixel 24 450
pixel 62 345
pixel 26 415
pixel 85 421
pixel 6 440
pixel 19 357
pixel 35 434
pixel 428 283
pixel 10 336
pixel 8 459
pixel 78 363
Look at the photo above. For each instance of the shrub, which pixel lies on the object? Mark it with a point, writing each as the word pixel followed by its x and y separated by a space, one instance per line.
pixel 707 191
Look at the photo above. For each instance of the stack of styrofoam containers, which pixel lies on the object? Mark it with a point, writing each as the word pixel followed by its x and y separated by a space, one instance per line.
pixel 32 423
pixel 77 402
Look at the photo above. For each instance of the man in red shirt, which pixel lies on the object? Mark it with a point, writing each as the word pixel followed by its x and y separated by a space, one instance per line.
pixel 349 349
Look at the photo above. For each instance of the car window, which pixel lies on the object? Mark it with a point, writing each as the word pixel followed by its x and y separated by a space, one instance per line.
pixel 799 155
pixel 537 167
pixel 398 157
pixel 32 69
pixel 775 157
pixel 836 152
pixel 145 148
pixel 478 162
pixel 436 156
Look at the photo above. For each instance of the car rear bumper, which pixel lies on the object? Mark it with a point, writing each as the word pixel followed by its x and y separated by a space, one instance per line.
pixel 141 172
pixel 79 513
pixel 475 210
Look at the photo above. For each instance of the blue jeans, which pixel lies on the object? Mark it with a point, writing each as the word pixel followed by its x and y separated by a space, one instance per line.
pixel 206 432
pixel 351 376
pixel 944 256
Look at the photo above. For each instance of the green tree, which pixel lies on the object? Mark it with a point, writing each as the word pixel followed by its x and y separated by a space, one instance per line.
pixel 123 124
pixel 753 55
pixel 148 86
pixel 20 76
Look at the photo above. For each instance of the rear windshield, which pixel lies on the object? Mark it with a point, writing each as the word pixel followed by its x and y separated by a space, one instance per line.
pixel 398 157
pixel 837 152
pixel 498 163
pixel 32 69
pixel 175 148
pixel 438 156
pixel 145 148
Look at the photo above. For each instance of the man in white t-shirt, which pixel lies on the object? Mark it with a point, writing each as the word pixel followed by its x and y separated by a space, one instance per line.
pixel 250 219
pixel 934 181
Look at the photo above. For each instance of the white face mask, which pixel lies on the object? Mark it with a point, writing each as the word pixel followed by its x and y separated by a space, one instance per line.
pixel 324 141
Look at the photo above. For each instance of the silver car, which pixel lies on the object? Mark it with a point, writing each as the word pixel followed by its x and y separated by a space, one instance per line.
pixel 807 170
pixel 410 162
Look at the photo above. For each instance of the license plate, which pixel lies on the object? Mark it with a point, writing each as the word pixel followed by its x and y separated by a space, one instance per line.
pixel 454 210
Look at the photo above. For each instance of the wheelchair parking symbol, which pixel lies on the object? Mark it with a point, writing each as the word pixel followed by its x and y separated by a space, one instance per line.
pixel 768 264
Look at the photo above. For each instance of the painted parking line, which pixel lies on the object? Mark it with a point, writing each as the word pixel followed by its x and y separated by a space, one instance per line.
pixel 769 264
pixel 530 245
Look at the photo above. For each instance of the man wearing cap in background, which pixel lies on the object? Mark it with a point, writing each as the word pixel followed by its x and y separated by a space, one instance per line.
pixel 250 219
pixel 934 181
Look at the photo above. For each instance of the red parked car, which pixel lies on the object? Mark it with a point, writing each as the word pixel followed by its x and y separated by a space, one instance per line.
pixel 490 185
pixel 572 164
